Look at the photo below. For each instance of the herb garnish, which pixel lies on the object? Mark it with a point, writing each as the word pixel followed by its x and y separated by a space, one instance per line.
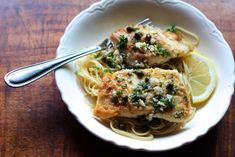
pixel 163 103
pixel 124 86
pixel 159 50
pixel 172 28
pixel 169 101
pixel 143 85
pixel 135 97
pixel 107 70
pixel 98 55
pixel 110 53
pixel 119 79
pixel 122 42
pixel 119 93
pixel 179 114
pixel 109 59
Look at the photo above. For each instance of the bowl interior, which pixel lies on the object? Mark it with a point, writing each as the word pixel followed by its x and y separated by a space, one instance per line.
pixel 95 24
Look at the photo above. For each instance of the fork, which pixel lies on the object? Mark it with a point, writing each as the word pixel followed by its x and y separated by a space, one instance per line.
pixel 25 75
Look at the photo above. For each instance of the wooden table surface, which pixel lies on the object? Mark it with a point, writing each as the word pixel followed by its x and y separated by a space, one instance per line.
pixel 34 121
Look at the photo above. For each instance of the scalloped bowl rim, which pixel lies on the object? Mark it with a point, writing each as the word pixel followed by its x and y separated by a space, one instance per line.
pixel 229 87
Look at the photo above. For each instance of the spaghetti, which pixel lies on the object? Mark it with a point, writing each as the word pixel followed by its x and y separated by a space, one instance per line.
pixel 140 47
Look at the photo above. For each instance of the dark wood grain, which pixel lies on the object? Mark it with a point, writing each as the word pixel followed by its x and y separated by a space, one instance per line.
pixel 35 122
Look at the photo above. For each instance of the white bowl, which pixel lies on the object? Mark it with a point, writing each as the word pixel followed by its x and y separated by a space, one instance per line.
pixel 94 24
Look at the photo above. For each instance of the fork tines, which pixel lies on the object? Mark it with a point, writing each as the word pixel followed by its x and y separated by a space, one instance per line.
pixel 146 21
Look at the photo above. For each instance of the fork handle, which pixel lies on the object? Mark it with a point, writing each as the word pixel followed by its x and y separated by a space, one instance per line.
pixel 28 74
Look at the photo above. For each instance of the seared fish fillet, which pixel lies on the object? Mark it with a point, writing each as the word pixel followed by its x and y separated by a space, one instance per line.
pixel 150 92
pixel 149 45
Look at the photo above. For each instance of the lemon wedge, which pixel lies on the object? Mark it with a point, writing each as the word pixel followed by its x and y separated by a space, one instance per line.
pixel 201 75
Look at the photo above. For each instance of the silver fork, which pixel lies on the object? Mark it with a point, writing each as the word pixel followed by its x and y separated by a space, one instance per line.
pixel 25 75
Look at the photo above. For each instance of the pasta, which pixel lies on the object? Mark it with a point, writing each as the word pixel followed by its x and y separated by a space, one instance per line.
pixel 157 55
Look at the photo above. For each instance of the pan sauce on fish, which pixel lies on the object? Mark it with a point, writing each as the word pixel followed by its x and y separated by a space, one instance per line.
pixel 144 46
pixel 150 92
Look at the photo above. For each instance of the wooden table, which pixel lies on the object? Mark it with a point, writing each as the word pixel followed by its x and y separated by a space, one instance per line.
pixel 34 121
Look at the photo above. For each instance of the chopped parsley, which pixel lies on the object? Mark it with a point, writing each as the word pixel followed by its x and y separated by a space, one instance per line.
pixel 135 97
pixel 97 68
pixel 179 114
pixel 107 70
pixel 110 53
pixel 98 55
pixel 109 59
pixel 159 50
pixel 119 79
pixel 172 28
pixel 122 42
pixel 169 101
pixel 119 93
pixel 143 85
pixel 163 103
pixel 124 86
